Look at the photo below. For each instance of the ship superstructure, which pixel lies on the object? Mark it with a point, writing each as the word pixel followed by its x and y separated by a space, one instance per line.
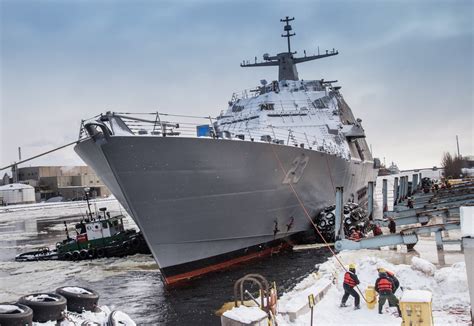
pixel 210 194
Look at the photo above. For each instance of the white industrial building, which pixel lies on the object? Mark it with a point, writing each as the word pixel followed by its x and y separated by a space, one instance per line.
pixel 17 193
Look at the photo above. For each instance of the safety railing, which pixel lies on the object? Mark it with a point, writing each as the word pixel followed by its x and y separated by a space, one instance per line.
pixel 172 125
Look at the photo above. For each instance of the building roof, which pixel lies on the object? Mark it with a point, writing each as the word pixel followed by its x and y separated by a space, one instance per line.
pixel 15 186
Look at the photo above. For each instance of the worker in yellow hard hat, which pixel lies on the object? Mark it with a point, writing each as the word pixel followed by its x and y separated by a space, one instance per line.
pixel 392 277
pixel 384 287
pixel 350 281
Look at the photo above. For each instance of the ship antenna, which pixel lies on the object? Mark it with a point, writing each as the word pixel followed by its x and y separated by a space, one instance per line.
pixel 285 61
pixel 287 28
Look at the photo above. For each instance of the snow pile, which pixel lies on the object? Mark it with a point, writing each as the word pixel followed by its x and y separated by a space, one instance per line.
pixel 245 314
pixel 10 309
pixel 41 298
pixel 76 290
pixel 447 286
pixel 104 316
pixel 417 296
pixel 424 266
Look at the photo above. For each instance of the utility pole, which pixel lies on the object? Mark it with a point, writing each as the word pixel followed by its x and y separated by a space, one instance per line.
pixel 457 143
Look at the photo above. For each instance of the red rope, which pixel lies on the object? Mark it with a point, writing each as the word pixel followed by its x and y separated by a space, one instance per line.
pixel 309 217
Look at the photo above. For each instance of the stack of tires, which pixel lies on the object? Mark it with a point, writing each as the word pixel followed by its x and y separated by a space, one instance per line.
pixel 353 216
pixel 44 307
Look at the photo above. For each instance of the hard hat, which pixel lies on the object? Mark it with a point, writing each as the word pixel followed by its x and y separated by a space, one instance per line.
pixel 352 266
pixel 381 270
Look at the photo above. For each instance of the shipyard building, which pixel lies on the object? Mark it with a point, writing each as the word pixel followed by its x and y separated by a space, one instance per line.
pixel 61 181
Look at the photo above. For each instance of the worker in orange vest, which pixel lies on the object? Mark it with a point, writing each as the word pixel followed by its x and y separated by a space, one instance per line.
pixel 355 236
pixel 392 277
pixel 384 287
pixel 350 281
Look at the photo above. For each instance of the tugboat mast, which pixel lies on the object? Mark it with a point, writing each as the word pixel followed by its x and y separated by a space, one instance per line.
pixel 285 60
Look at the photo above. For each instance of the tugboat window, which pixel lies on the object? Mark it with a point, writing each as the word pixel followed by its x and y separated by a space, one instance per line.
pixel 104 225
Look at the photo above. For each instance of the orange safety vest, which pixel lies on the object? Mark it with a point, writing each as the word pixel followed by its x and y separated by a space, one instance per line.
pixel 354 236
pixel 384 285
pixel 349 280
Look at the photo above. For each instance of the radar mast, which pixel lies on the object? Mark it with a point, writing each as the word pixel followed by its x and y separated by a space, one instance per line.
pixel 285 60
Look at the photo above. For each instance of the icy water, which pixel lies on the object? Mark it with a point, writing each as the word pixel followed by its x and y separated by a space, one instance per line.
pixel 130 284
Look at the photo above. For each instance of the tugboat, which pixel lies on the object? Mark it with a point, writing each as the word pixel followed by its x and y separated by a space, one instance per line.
pixel 96 237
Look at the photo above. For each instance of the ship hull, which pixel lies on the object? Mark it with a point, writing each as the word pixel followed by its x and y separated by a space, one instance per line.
pixel 204 204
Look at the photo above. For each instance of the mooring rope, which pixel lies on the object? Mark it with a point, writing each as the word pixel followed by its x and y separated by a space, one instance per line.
pixel 310 219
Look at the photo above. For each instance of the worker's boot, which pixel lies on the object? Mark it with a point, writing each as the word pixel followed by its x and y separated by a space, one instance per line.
pixel 357 307
pixel 343 304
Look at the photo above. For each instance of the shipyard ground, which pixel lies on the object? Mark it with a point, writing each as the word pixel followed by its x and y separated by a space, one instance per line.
pixel 448 285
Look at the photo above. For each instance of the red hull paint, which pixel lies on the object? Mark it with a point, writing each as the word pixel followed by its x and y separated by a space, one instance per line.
pixel 175 279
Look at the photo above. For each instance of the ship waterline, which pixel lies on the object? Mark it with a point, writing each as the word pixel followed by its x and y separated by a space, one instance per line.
pixel 202 202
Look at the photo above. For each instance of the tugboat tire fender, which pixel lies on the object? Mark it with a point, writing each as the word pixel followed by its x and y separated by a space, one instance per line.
pixel 67 256
pixel 77 301
pixel 76 255
pixel 83 254
pixel 127 246
pixel 100 252
pixel 12 316
pixel 91 252
pixel 45 306
pixel 136 242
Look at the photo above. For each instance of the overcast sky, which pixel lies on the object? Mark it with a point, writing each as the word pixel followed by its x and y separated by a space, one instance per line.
pixel 406 68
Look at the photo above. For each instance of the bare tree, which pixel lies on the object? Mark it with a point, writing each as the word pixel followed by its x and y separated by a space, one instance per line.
pixel 452 165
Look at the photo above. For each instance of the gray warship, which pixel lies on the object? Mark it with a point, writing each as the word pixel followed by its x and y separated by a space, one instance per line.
pixel 211 192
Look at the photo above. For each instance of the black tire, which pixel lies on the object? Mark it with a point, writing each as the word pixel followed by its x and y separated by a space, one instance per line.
pixel 83 254
pixel 76 255
pixel 90 323
pixel 78 302
pixel 136 242
pixel 91 252
pixel 21 316
pixel 100 252
pixel 127 246
pixel 322 223
pixel 68 256
pixel 46 306
pixel 117 318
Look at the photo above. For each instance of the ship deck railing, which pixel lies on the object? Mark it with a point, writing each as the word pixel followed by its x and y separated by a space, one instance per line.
pixel 157 124
pixel 312 86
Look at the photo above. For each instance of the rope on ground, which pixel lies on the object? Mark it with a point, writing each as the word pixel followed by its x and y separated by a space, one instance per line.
pixel 309 217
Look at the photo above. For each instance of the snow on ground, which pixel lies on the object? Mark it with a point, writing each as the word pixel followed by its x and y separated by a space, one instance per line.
pixel 448 286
